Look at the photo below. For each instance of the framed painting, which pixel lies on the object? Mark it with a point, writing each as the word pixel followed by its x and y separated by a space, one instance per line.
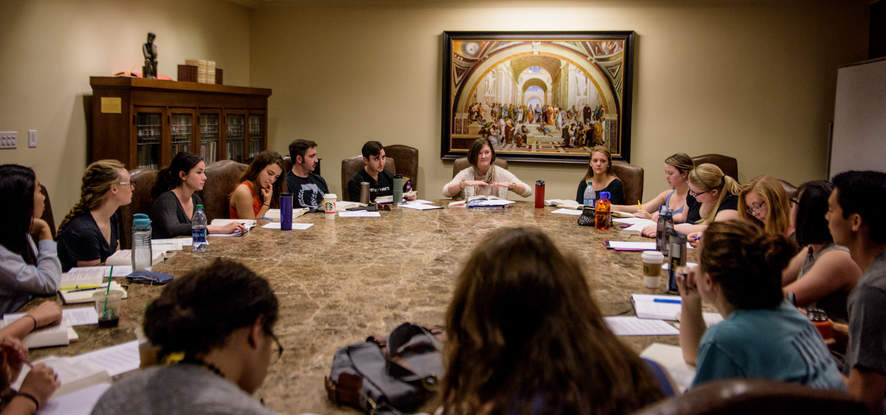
pixel 538 96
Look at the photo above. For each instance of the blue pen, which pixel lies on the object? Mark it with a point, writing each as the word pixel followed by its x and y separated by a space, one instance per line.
pixel 697 238
pixel 666 300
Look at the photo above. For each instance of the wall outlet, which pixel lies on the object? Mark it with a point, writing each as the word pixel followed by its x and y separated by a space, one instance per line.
pixel 32 138
pixel 7 139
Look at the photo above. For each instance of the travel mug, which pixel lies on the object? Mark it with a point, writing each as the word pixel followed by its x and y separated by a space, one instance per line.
pixel 286 211
pixel 539 194
pixel 398 189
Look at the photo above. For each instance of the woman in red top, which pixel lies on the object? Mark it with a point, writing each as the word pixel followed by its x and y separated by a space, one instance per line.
pixel 259 186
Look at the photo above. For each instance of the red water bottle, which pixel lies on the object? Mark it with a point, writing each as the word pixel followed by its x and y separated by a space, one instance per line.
pixel 539 194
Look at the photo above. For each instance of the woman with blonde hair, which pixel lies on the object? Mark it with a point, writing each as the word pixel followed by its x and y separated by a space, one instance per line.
pixel 483 176
pixel 259 187
pixel 524 336
pixel 717 197
pixel 765 202
pixel 676 170
pixel 90 232
pixel 600 177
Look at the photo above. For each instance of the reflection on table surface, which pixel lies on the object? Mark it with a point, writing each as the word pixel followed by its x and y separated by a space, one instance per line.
pixel 346 278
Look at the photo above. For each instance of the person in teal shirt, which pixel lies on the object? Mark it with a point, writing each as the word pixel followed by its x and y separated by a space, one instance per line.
pixel 762 335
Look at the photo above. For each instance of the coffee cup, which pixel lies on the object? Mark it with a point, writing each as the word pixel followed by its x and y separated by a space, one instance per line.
pixel 652 261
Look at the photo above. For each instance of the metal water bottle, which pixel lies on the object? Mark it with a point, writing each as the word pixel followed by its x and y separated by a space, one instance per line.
pixel 398 189
pixel 286 211
pixel 665 222
pixel 676 257
pixel 539 194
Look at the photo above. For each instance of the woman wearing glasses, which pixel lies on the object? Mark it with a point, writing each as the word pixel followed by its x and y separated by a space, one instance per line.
pixel 89 233
pixel 228 344
pixel 765 202
pixel 823 273
pixel 717 197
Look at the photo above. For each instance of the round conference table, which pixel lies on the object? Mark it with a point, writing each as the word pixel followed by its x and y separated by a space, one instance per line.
pixel 346 278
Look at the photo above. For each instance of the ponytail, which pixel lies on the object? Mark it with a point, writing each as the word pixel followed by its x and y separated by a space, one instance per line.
pixel 97 181
pixel 709 177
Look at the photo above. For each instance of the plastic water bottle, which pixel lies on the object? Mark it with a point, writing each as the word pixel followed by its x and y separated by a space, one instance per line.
pixel 590 196
pixel 141 242
pixel 198 231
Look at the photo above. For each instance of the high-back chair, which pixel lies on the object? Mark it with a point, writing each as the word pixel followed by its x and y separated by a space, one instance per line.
pixel 749 396
pixel 728 164
pixel 462 163
pixel 351 166
pixel 631 177
pixel 143 181
pixel 222 177
pixel 406 158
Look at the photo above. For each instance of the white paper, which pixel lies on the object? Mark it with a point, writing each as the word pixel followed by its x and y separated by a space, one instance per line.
pixel 80 402
pixel 562 211
pixel 359 214
pixel 646 307
pixel 172 244
pixel 248 223
pixel 119 270
pixel 117 359
pixel 563 203
pixel 81 278
pixel 423 205
pixel 633 326
pixel 671 358
pixel 295 226
pixel 80 316
pixel 457 203
pixel 665 266
pixel 631 246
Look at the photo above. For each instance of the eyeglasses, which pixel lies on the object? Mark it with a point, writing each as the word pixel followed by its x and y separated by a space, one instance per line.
pixel 755 207
pixel 696 194
pixel 279 347
pixel 794 201
pixel 131 184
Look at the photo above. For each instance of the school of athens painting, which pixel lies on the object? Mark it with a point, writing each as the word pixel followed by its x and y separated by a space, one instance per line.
pixel 545 96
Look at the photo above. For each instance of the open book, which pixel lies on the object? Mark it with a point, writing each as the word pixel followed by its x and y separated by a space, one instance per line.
pixel 84 295
pixel 488 202
pixel 124 257
pixel 87 277
pixel 73 373
pixel 57 335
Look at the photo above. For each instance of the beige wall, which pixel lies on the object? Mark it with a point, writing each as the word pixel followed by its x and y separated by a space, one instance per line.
pixel 51 48
pixel 738 77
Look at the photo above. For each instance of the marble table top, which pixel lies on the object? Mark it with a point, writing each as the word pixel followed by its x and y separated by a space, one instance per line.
pixel 346 278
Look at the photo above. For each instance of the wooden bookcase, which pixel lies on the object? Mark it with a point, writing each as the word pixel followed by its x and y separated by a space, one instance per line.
pixel 145 122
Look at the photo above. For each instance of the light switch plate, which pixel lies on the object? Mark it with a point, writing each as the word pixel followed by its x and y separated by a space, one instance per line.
pixel 7 139
pixel 32 138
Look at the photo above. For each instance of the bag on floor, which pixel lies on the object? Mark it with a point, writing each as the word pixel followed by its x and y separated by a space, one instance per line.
pixel 388 376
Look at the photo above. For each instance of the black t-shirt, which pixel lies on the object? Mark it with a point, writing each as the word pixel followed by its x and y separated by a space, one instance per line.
pixel 383 187
pixel 615 189
pixel 307 192
pixel 730 202
pixel 168 216
pixel 81 240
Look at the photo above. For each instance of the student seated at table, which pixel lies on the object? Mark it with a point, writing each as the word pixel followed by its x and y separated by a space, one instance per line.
pixel 176 200
pixel 715 199
pixel 381 181
pixel 259 187
pixel 765 202
pixel 823 273
pixel 228 344
pixel 307 187
pixel 25 269
pixel 600 177
pixel 762 335
pixel 856 221
pixel 676 170
pixel 523 335
pixel 90 232
pixel 483 175
pixel 38 385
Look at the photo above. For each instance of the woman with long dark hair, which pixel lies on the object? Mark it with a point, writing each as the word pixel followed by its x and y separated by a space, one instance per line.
pixel 524 336
pixel 26 269
pixel 90 233
pixel 175 198
pixel 259 187
pixel 221 317
pixel 761 335
pixel 600 177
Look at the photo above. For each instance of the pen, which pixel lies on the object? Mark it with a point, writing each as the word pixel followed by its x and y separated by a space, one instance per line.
pixel 697 238
pixel 639 206
pixel 83 289
pixel 666 300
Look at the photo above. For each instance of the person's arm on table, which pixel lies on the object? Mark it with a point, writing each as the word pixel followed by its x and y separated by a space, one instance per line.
pixel 692 325
pixel 834 271
pixel 47 313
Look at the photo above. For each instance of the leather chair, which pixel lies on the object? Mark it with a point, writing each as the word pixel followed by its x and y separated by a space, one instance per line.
pixel 632 178
pixel 287 166
pixel 47 211
pixel 143 181
pixel 222 177
pixel 729 165
pixel 462 163
pixel 406 159
pixel 747 396
pixel 352 165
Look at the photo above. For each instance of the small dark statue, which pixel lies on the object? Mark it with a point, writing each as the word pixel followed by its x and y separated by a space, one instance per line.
pixel 149 49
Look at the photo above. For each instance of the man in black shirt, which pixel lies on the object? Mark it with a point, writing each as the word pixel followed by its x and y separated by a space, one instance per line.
pixel 307 187
pixel 381 181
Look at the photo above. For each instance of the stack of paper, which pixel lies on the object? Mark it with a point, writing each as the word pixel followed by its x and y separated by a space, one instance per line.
pixel 57 335
pixel 563 203
pixel 671 358
pixel 564 211
pixel 630 246
pixel 661 307
pixel 124 257
pixel 358 214
pixel 634 224
pixel 420 205
pixel 633 326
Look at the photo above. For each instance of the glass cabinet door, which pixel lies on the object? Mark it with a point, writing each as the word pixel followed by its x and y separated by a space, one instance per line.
pixel 180 130
pixel 256 134
pixel 148 139
pixel 209 137
pixel 236 136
